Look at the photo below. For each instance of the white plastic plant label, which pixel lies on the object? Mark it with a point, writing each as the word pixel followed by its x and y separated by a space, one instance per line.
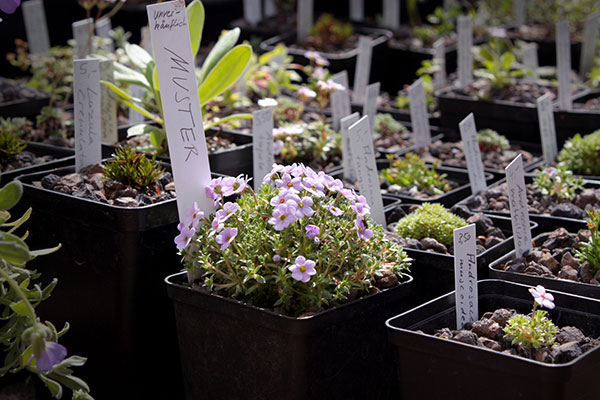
pixel 418 114
pixel 270 8
pixel 341 78
pixel 391 14
pixel 347 161
pixel 36 26
pixel 103 28
pixel 519 211
pixel 81 33
pixel 547 129
pixel 305 19
pixel 363 69
pixel 146 42
pixel 590 44
pixel 468 134
pixel 439 57
pixel 370 106
pixel 465 276
pixel 135 117
pixel 262 144
pixel 361 142
pixel 86 99
pixel 340 107
pixel 108 104
pixel 530 60
pixel 253 11
pixel 357 10
pixel 465 58
pixel 181 105
pixel 563 63
pixel 519 11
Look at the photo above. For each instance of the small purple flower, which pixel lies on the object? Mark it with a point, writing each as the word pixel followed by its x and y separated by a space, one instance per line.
pixel 289 183
pixel 227 185
pixel 185 237
pixel 276 258
pixel 52 354
pixel 312 231
pixel 542 297
pixel 361 209
pixel 303 269
pixel 283 196
pixel 305 93
pixel 283 216
pixel 277 147
pixel 228 210
pixel 313 186
pixel 303 207
pixel 349 194
pixel 239 184
pixel 193 216
pixel 362 230
pixel 217 226
pixel 336 212
pixel 319 73
pixel 317 57
pixel 214 190
pixel 550 171
pixel 9 7
pixel 226 237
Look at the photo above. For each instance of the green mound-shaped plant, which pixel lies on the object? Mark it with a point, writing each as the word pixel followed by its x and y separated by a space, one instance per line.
pixel 590 250
pixel 431 220
pixel 133 169
pixel 490 140
pixel 328 32
pixel 386 125
pixel 558 183
pixel 411 171
pixel 10 142
pixel 581 154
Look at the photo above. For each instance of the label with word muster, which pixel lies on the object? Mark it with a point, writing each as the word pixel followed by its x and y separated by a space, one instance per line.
pixel 519 211
pixel 363 69
pixel 86 99
pixel 81 33
pixel 418 114
pixel 108 104
pixel 262 144
pixel 370 106
pixel 347 160
pixel 563 63
pixel 468 133
pixel 465 276
pixel 36 26
pixel 465 58
pixel 361 142
pixel 181 105
pixel 547 129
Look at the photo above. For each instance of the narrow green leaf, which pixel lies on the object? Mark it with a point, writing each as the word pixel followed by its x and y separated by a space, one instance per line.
pixel 131 101
pixel 223 45
pixel 20 308
pixel 10 195
pixel 13 249
pixel 138 56
pixel 225 73
pixel 16 224
pixel 55 389
pixel 43 252
pixel 129 76
pixel 195 17
pixel 4 216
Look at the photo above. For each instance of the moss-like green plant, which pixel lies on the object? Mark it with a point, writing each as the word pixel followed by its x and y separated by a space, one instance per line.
pixel 10 142
pixel 531 331
pixel 133 169
pixel 50 121
pixel 328 32
pixel 386 125
pixel 431 220
pixel 582 154
pixel 411 171
pixel 590 250
pixel 490 140
pixel 558 183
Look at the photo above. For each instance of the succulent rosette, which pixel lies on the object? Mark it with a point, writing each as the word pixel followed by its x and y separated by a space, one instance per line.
pixel 301 244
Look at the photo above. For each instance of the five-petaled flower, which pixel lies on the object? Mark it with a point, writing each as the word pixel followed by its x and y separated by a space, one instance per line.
pixel 283 215
pixel 312 231
pixel 185 236
pixel 52 354
pixel 362 230
pixel 303 269
pixel 542 297
pixel 226 237
pixel 193 216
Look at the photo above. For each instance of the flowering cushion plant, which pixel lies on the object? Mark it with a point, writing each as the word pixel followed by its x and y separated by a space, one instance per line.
pixel 300 244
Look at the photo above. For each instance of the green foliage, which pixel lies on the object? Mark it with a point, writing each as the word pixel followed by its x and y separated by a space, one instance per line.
pixel 428 68
pixel 386 125
pixel 441 24
pixel 10 142
pixel 410 171
pixel 582 154
pixel 328 32
pixel 23 336
pixel 133 169
pixel 533 331
pixel 430 220
pixel 558 183
pixel 313 143
pixel 265 77
pixel 490 141
pixel 498 64
pixel 590 251
pixel 288 110
pixel 549 12
pixel 254 266
pixel 50 121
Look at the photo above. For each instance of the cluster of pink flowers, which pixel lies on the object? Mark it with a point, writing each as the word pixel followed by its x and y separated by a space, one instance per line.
pixel 317 58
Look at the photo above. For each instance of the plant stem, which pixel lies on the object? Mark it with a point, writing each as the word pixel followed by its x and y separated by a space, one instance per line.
pixel 19 292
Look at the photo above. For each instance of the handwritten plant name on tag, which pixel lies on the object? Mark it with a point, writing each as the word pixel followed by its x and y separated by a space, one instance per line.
pixel 519 211
pixel 108 104
pixel 563 63
pixel 361 142
pixel 262 143
pixel 465 276
pixel 363 69
pixel 468 133
pixel 36 26
pixel 340 107
pixel 465 58
pixel 439 58
pixel 530 59
pixel 86 96
pixel 391 14
pixel 305 19
pixel 370 106
pixel 81 33
pixel 418 114
pixel 347 159
pixel 547 130
pixel 181 104
pixel 590 43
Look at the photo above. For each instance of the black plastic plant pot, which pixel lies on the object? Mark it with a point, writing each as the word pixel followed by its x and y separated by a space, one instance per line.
pixel 62 157
pixel 562 285
pixel 231 350
pixel 110 271
pixel 434 272
pixel 461 176
pixel 401 115
pixel 464 371
pixel 546 51
pixel 546 223
pixel 27 108
pixel 516 121
pixel 569 123
pixel 339 61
